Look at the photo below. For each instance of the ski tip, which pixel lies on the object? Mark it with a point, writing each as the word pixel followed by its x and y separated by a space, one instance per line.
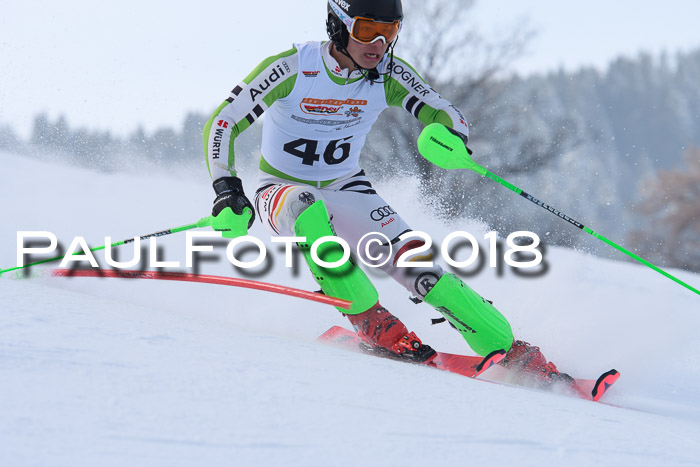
pixel 489 361
pixel 603 383
pixel 334 333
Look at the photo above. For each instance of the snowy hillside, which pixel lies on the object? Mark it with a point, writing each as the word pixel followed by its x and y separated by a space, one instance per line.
pixel 113 372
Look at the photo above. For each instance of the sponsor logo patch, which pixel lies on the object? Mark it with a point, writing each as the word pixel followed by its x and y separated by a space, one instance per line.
pixel 342 4
pixel 354 112
pixel 384 224
pixel 327 122
pixel 307 198
pixel 425 283
pixel 332 106
pixel 263 83
pixel 380 213
pixel 410 80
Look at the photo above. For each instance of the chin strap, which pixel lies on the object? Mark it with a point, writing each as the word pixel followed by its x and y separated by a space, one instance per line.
pixel 372 75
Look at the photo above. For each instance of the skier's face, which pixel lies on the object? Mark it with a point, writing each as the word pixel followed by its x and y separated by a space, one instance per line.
pixel 367 56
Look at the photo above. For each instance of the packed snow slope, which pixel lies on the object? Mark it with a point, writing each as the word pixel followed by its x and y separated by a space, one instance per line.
pixel 114 372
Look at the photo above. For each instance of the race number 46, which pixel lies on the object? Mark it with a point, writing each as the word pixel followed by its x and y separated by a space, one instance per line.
pixel 307 150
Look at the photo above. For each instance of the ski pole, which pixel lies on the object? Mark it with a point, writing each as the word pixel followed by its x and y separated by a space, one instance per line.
pixel 230 225
pixel 203 222
pixel 441 146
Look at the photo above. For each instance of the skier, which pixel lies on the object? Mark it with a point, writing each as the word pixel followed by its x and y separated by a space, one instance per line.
pixel 321 100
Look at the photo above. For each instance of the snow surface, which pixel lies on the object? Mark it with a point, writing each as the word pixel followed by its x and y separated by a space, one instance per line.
pixel 133 372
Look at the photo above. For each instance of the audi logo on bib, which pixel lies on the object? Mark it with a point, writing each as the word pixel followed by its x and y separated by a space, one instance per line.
pixel 380 213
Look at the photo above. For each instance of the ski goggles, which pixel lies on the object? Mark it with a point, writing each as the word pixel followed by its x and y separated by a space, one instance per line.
pixel 368 31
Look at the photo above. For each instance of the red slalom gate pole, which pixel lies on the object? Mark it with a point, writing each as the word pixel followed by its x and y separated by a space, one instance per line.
pixel 206 279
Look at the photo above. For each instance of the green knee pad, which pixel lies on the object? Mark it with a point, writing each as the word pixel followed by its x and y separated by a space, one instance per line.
pixel 346 281
pixel 482 326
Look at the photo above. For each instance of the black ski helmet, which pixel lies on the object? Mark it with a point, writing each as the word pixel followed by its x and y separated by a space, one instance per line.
pixel 379 10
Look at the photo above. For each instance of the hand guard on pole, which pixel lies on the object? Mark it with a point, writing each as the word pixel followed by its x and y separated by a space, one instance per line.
pixel 233 213
pixel 464 138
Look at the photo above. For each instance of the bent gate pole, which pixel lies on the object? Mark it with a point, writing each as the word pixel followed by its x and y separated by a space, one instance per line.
pixel 205 279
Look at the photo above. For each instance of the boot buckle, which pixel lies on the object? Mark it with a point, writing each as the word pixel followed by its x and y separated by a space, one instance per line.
pixel 409 342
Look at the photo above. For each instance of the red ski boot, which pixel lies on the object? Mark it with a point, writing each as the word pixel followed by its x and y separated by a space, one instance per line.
pixel 383 331
pixel 528 359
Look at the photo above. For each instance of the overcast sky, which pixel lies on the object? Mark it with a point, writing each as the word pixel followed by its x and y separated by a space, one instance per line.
pixel 117 65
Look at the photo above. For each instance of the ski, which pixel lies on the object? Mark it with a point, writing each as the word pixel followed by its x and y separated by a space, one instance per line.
pixel 595 389
pixel 472 366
